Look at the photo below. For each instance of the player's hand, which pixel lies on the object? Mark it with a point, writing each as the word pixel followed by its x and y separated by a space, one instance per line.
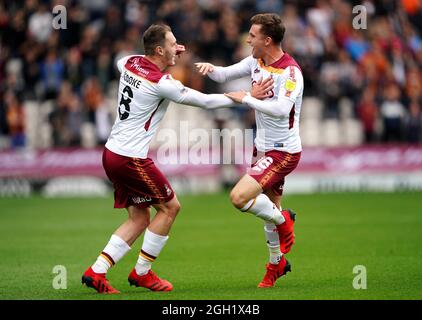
pixel 236 96
pixel 262 89
pixel 204 67
pixel 180 49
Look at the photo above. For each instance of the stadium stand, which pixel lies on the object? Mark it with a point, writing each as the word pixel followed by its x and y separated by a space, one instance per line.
pixel 58 87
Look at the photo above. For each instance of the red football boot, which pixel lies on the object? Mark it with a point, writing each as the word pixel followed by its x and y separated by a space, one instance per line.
pixel 149 280
pixel 286 231
pixel 275 271
pixel 97 281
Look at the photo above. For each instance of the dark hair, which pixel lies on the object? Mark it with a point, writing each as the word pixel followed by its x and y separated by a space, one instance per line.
pixel 154 36
pixel 271 26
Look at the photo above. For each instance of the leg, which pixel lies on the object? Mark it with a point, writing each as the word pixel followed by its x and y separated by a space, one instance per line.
pixel 245 190
pixel 165 216
pixel 278 266
pixel 138 220
pixel 275 198
pixel 271 233
pixel 247 196
pixel 269 172
pixel 122 239
pixel 117 247
pixel 155 239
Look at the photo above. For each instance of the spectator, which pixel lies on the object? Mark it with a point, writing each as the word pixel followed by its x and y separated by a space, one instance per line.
pixel 398 64
pixel 88 49
pixel 104 68
pixel 15 119
pixel 113 28
pixel 413 124
pixel 73 71
pixel 368 113
pixel 392 113
pixel 413 8
pixel 330 87
pixel 31 71
pixel 51 74
pixel 337 60
pixel 15 33
pixel 356 45
pixel 66 118
pixel 76 18
pixel 40 23
pixel 208 46
pixel 96 108
pixel 320 18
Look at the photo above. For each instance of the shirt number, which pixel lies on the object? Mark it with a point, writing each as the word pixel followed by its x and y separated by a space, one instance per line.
pixel 125 100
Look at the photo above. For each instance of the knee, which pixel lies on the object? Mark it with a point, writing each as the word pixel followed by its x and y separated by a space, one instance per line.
pixel 173 209
pixel 238 200
pixel 141 221
pixel 176 208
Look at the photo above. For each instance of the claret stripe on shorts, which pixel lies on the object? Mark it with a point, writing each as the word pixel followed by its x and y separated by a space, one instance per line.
pixel 148 181
pixel 278 167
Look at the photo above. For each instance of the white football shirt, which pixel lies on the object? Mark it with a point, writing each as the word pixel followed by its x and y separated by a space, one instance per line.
pixel 144 95
pixel 273 132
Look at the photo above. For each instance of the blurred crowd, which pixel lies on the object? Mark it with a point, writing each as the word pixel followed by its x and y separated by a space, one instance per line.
pixel 378 69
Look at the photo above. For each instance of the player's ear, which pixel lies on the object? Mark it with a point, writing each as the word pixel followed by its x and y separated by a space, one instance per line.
pixel 268 41
pixel 159 51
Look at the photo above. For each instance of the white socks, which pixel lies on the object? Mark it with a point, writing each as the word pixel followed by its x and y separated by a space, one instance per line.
pixel 273 242
pixel 112 253
pixel 264 208
pixel 151 248
pixel 117 249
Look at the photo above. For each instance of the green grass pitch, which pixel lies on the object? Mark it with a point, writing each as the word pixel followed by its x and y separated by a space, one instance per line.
pixel 216 252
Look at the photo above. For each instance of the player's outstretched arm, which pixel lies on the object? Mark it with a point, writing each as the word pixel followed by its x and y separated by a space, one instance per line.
pixel 280 108
pixel 223 74
pixel 206 101
pixel 204 68
pixel 177 92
